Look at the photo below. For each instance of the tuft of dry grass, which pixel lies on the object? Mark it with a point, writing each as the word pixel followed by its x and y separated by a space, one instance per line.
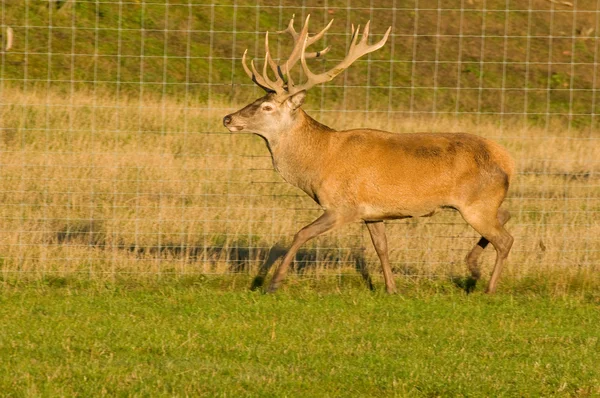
pixel 103 185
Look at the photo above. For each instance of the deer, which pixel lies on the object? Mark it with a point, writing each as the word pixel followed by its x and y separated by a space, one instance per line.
pixel 367 175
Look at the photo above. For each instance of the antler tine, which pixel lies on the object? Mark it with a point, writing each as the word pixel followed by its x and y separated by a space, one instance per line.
pixel 318 36
pixel 299 41
pixel 311 78
pixel 365 34
pixel 268 59
pixel 276 85
pixel 9 38
pixel 355 34
pixel 258 79
pixel 290 81
pixel 356 51
pixel 290 28
pixel 264 81
pixel 381 42
pixel 248 71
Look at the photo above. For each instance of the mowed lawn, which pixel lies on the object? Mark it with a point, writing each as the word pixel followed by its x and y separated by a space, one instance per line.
pixel 218 339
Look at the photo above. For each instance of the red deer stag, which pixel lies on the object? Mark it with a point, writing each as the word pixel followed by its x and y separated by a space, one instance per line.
pixel 373 175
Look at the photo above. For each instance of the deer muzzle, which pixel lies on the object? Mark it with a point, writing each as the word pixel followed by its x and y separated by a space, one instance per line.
pixel 228 122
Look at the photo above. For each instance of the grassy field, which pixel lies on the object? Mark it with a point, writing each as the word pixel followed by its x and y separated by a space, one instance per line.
pixel 131 222
pixel 206 337
pixel 98 185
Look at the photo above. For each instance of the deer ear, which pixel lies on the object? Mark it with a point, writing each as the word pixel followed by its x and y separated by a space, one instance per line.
pixel 296 100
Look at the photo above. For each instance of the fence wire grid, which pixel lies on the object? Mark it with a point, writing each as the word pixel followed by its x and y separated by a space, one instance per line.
pixel 114 161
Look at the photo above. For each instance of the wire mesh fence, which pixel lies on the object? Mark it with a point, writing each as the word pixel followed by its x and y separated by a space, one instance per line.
pixel 113 159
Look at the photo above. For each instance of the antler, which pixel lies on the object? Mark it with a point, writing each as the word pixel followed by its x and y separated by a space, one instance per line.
pixel 301 42
pixel 263 81
pixel 356 51
pixel 9 39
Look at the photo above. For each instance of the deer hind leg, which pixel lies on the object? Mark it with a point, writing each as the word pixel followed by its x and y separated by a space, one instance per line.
pixel 490 224
pixel 473 256
pixel 326 222
pixel 377 231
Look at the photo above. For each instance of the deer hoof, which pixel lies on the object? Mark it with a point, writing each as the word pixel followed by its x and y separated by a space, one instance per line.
pixel 272 288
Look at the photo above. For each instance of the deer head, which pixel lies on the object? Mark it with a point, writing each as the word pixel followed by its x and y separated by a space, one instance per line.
pixel 276 111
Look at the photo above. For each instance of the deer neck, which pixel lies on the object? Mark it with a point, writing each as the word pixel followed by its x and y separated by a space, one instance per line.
pixel 298 152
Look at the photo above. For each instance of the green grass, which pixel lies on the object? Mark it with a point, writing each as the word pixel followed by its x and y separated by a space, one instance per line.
pixel 213 337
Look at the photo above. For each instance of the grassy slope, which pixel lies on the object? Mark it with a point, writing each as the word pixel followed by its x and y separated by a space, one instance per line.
pixel 193 60
pixel 168 339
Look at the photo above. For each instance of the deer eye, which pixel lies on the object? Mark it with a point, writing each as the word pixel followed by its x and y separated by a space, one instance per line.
pixel 267 108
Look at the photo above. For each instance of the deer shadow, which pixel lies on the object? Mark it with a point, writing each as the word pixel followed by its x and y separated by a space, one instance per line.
pixel 305 257
pixel 466 283
pixel 239 257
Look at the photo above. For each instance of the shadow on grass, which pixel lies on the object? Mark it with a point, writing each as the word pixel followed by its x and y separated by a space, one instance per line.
pixel 466 283
pixel 305 257
pixel 239 257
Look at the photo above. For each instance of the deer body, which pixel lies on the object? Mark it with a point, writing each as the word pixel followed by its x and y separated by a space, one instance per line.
pixel 379 175
pixel 373 175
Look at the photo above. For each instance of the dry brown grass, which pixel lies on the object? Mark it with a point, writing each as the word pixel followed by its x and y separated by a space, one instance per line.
pixel 101 185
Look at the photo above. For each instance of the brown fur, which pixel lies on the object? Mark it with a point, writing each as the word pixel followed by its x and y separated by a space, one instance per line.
pixel 374 175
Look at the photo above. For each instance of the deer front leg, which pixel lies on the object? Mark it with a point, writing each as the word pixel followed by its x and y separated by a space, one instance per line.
pixel 377 231
pixel 326 222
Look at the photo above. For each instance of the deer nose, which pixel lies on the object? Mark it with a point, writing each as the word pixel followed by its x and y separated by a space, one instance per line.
pixel 226 120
